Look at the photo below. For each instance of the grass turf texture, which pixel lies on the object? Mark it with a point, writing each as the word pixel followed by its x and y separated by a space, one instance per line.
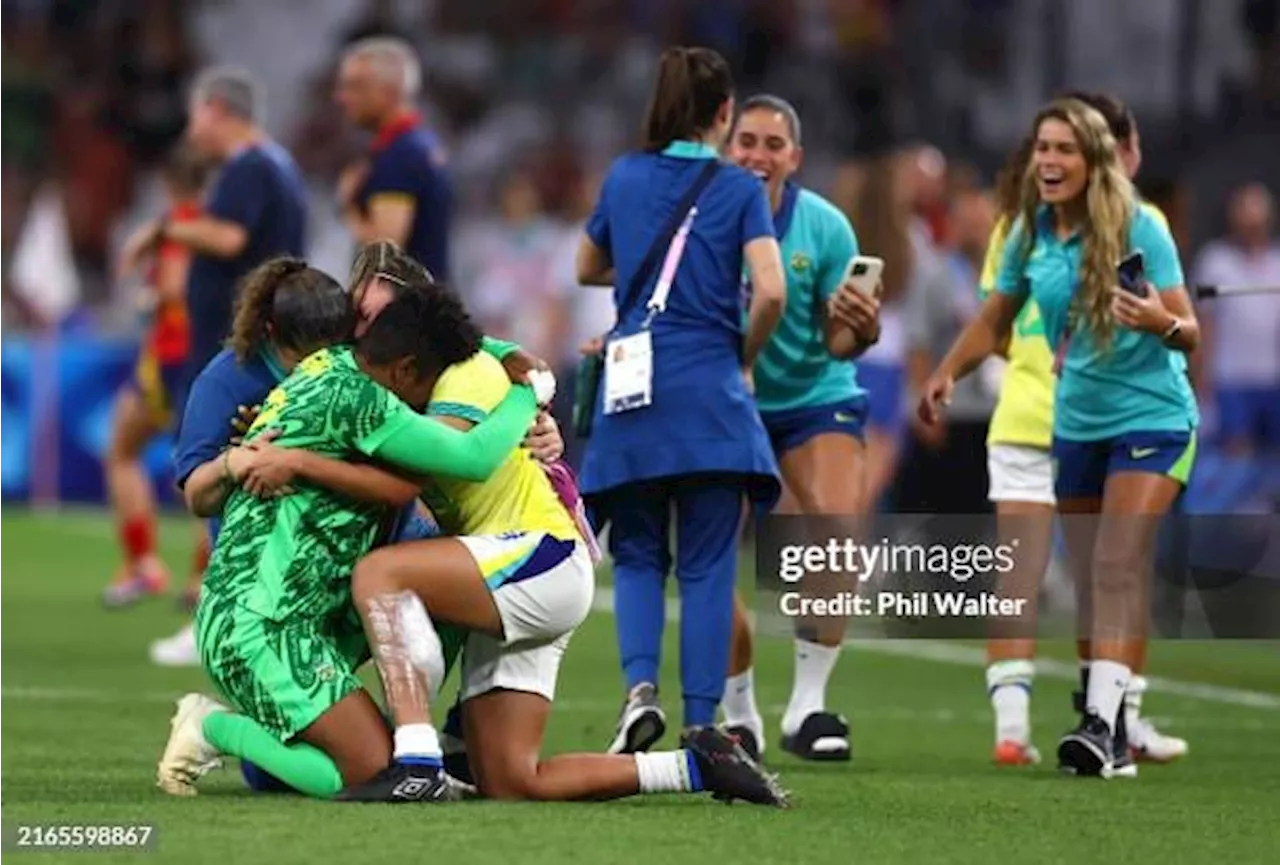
pixel 86 716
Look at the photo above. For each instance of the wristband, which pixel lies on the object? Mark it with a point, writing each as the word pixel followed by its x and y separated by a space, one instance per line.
pixel 1172 331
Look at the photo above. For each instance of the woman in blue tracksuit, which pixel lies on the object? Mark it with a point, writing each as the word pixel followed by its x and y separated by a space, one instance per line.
pixel 693 441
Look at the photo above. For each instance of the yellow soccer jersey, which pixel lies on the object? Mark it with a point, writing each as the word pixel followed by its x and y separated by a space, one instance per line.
pixel 1024 412
pixel 518 497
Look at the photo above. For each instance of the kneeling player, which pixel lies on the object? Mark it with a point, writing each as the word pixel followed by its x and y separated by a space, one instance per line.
pixel 274 626
pixel 519 576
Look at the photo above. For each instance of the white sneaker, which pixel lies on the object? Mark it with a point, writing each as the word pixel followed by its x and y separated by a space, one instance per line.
pixel 1149 745
pixel 178 650
pixel 187 755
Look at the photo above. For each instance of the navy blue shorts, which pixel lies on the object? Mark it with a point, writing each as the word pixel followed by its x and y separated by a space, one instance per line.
pixel 1081 468
pixel 790 429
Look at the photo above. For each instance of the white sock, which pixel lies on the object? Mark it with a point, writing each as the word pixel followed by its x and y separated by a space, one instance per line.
pixel 1107 683
pixel 814 663
pixel 1133 704
pixel 1009 684
pixel 666 772
pixel 417 740
pixel 739 703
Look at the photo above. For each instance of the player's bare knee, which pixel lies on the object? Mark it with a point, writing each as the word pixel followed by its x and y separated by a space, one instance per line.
pixel 370 578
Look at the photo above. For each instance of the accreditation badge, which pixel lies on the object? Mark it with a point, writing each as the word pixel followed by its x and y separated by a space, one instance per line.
pixel 628 373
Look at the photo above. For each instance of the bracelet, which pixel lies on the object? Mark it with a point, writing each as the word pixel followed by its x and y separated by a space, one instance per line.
pixel 1172 331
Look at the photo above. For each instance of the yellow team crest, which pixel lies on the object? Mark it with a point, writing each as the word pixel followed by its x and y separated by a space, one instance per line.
pixel 800 262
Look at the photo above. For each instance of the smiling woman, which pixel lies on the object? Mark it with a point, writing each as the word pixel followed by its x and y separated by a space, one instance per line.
pixel 1124 415
pixel 813 408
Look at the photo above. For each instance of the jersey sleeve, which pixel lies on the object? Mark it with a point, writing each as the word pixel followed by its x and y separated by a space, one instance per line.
pixel 206 425
pixel 391 175
pixel 757 218
pixel 470 390
pixel 1008 277
pixel 1159 251
pixel 839 249
pixel 424 445
pixel 598 228
pixel 994 256
pixel 239 195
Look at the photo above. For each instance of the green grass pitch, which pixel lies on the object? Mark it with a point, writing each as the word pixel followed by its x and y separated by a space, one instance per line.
pixel 86 716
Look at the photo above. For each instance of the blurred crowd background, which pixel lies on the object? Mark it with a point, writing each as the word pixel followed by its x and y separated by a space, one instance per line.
pixel 909 107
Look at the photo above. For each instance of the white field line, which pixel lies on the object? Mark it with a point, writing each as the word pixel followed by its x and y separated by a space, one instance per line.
pixel 927 650
pixel 970 656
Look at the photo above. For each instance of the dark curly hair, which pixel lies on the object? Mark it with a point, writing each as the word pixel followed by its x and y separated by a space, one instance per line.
pixel 426 322
pixel 287 302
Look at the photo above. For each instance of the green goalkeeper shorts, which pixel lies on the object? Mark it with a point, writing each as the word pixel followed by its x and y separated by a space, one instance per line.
pixel 283 674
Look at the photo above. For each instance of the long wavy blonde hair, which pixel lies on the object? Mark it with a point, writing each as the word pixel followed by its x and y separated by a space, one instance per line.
pixel 1109 200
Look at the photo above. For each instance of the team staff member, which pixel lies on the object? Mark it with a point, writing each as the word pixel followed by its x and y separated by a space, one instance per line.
pixel 401 191
pixel 256 208
pixel 1124 414
pixel 682 431
pixel 1020 467
pixel 813 408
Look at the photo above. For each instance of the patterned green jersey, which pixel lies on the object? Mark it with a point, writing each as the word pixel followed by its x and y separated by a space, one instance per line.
pixel 293 555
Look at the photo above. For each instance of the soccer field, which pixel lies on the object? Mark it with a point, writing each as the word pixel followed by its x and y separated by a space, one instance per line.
pixel 86 716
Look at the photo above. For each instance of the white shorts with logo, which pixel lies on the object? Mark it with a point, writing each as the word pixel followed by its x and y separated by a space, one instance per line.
pixel 1020 473
pixel 543 588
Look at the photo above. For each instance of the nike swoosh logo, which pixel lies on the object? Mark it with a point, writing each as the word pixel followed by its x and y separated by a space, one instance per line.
pixel 1141 453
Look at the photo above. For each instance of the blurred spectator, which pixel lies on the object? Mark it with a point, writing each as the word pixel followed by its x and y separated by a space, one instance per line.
pixel 157 60
pixel 1242 348
pixel 513 286
pixel 944 469
pixel 877 197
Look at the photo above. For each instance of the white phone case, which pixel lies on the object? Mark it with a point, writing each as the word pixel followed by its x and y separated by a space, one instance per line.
pixel 864 273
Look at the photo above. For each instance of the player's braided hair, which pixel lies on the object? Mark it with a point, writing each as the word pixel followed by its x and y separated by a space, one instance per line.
pixel 385 259
pixel 292 305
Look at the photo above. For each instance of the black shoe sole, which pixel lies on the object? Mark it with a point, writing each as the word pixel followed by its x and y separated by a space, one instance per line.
pixel 1079 756
pixel 644 732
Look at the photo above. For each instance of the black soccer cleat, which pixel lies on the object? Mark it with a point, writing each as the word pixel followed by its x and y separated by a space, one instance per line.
pixel 823 737
pixel 1088 750
pixel 746 738
pixel 728 772
pixel 403 782
pixel 642 722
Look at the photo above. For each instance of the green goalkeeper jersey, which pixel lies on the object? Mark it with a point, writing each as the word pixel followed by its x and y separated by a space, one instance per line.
pixel 293 555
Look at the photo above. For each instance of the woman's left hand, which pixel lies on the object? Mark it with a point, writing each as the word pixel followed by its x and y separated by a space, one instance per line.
pixel 544 440
pixel 1145 313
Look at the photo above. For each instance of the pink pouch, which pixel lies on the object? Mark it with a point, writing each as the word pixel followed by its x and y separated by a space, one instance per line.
pixel 565 484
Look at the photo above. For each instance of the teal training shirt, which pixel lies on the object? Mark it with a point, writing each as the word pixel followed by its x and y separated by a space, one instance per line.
pixel 1139 384
pixel 795 370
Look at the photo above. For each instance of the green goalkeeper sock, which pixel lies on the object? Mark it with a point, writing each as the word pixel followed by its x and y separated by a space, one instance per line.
pixel 303 767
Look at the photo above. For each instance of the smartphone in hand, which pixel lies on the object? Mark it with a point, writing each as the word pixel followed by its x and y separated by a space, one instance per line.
pixel 1132 274
pixel 864 273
